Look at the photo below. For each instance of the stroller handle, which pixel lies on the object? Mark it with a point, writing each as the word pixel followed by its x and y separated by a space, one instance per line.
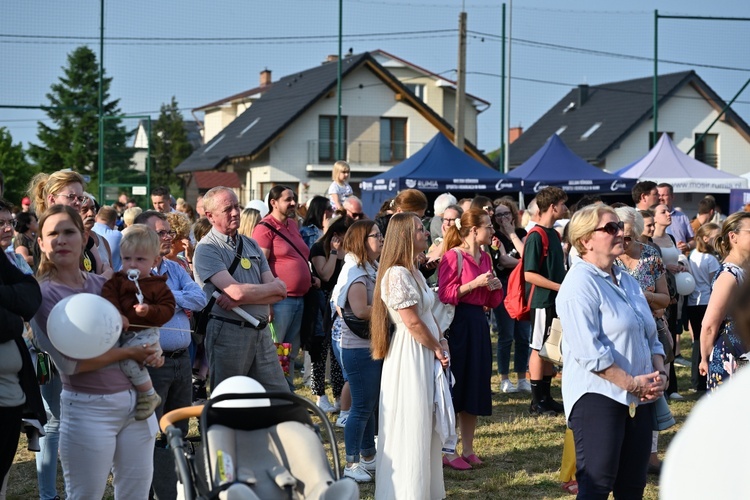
pixel 179 414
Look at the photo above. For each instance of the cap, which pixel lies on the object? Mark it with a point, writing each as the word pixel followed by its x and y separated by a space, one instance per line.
pixel 26 201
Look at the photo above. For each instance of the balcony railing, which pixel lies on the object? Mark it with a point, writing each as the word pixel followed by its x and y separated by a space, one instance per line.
pixel 361 152
pixel 708 158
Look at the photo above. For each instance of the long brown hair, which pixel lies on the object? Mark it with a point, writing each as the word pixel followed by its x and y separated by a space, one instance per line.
pixel 355 241
pixel 470 219
pixel 398 250
pixel 47 268
pixel 703 232
pixel 409 200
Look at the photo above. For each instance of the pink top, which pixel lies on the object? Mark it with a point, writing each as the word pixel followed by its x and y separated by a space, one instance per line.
pixel 285 262
pixel 449 280
pixel 107 380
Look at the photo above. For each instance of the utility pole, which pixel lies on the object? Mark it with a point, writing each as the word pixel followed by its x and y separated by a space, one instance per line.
pixel 461 83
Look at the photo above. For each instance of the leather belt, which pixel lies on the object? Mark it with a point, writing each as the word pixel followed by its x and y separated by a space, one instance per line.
pixel 244 324
pixel 174 354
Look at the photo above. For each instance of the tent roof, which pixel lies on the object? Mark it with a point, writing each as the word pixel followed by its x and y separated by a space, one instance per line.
pixel 440 166
pixel 686 174
pixel 554 164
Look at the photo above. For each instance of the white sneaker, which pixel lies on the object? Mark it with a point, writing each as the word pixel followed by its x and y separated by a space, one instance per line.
pixel 507 386
pixel 343 417
pixel 676 396
pixel 524 385
pixel 358 473
pixel 325 405
pixel 368 465
pixel 336 405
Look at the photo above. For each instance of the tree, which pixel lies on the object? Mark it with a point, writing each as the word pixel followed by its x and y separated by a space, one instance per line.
pixel 15 167
pixel 169 146
pixel 73 139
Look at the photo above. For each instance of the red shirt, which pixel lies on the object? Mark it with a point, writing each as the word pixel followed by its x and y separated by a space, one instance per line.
pixel 285 262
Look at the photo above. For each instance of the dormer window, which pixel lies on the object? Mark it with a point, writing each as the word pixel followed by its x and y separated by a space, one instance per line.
pixel 570 107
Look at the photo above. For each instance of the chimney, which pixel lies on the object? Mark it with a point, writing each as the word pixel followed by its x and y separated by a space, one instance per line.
pixel 583 94
pixel 331 58
pixel 515 133
pixel 265 77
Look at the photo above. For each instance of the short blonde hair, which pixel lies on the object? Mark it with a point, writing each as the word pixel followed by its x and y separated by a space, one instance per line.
pixel 338 167
pixel 140 237
pixel 584 222
pixel 180 223
pixel 129 215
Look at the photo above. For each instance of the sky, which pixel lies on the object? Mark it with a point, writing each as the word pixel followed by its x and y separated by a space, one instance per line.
pixel 201 51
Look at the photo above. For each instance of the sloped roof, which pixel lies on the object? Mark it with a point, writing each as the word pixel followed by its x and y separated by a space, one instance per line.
pixel 291 96
pixel 211 179
pixel 619 107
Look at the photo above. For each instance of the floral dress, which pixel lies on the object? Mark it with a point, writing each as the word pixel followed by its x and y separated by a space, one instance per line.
pixel 649 269
pixel 725 357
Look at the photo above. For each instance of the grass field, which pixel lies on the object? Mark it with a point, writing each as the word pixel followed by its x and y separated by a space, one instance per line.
pixel 521 454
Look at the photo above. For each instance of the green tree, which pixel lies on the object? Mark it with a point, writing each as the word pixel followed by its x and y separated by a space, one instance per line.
pixel 169 146
pixel 72 140
pixel 15 168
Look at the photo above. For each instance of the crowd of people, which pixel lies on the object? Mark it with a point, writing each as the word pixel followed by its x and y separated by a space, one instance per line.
pixel 396 312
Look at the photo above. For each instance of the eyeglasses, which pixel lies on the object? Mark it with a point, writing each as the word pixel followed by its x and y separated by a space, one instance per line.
pixel 488 208
pixel 612 228
pixel 449 221
pixel 375 235
pixel 73 197
pixel 356 215
pixel 627 239
pixel 8 223
pixel 500 215
pixel 164 234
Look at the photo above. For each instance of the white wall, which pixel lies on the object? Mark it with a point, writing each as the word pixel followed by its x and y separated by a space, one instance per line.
pixel 686 115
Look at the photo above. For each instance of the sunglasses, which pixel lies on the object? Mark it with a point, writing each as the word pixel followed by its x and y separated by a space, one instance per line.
pixel 612 228
pixel 356 215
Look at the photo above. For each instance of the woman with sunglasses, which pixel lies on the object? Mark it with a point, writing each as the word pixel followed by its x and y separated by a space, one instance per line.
pixel 614 362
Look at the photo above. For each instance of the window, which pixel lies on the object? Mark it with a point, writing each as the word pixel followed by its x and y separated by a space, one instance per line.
pixel 591 130
pixel 392 139
pixel 652 142
pixel 707 150
pixel 327 150
pixel 417 89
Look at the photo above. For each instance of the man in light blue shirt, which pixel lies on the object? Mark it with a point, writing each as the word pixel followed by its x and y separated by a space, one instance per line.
pixel 680 228
pixel 105 227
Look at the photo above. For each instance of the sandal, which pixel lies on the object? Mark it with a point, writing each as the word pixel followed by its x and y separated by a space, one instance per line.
pixel 571 487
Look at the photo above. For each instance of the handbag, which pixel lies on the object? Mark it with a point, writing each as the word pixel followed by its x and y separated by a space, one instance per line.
pixel 359 327
pixel 551 349
pixel 662 415
pixel 665 337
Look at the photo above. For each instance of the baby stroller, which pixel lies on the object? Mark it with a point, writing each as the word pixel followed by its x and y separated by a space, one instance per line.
pixel 256 445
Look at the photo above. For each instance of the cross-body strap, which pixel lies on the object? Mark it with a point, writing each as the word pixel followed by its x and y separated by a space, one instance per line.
pixel 231 269
pixel 269 226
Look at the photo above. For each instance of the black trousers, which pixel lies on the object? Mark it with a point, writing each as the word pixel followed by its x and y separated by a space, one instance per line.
pixel 10 429
pixel 695 316
pixel 612 449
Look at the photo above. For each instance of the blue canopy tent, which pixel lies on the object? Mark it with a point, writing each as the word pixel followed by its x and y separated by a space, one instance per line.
pixel 438 167
pixel 666 163
pixel 556 165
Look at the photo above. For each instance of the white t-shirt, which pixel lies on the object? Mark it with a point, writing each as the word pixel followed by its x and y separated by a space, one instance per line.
pixel 343 191
pixel 703 267
pixel 707 458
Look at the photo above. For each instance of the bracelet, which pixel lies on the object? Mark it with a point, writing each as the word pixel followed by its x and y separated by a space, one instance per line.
pixel 334 252
pixel 663 372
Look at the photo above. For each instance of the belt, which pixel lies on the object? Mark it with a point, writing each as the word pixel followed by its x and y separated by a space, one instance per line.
pixel 261 326
pixel 174 354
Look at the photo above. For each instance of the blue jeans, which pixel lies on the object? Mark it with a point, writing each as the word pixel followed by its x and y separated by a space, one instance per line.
pixel 46 458
pixel 508 330
pixel 287 321
pixel 336 348
pixel 364 384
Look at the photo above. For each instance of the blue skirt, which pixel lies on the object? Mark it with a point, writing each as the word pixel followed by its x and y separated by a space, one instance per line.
pixel 471 360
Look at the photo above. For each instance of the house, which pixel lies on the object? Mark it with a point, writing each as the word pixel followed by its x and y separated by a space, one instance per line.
pixel 284 132
pixel 611 125
pixel 140 141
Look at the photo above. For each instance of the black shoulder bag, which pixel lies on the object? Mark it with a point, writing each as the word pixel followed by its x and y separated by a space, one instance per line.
pixel 311 299
pixel 201 317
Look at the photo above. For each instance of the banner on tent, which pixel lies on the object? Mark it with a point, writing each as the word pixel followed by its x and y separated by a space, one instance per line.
pixel 442 185
pixel 584 186
pixel 718 185
pixel 738 199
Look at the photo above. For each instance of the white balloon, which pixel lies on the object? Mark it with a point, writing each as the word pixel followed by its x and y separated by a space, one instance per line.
pixel 84 326
pixel 685 283
pixel 239 384
pixel 259 206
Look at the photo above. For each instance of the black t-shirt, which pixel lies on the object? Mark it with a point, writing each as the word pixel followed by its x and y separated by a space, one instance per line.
pixel 318 250
pixel 502 272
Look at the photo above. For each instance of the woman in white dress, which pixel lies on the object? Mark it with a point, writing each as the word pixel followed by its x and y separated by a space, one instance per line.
pixel 409 460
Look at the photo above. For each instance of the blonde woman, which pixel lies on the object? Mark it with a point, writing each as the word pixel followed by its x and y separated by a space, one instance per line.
pixel 409 463
pixel 721 347
pixel 249 218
